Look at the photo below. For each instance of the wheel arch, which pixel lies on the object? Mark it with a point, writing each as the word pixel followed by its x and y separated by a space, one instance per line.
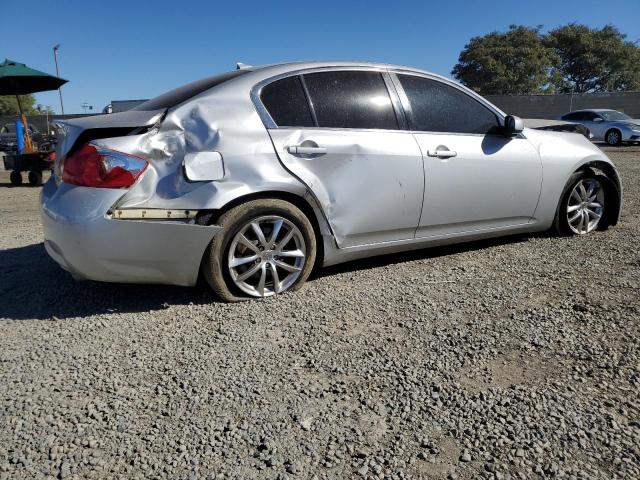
pixel 606 134
pixel 607 169
pixel 312 212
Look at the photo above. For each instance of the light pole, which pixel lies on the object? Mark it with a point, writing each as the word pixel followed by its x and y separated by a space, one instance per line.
pixel 55 58
pixel 573 87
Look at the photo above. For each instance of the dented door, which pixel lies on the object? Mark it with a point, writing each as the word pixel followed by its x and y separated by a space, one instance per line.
pixel 369 183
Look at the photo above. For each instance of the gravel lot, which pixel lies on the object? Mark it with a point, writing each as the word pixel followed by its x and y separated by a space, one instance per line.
pixel 516 358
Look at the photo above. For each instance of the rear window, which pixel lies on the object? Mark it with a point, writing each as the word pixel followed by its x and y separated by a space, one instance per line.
pixel 287 104
pixel 571 116
pixel 580 116
pixel 182 94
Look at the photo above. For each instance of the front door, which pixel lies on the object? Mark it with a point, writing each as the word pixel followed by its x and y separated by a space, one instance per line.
pixel 476 178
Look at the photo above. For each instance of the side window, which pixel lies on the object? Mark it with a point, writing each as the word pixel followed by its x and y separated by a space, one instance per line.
pixel 286 103
pixel 590 116
pixel 351 99
pixel 571 117
pixel 438 107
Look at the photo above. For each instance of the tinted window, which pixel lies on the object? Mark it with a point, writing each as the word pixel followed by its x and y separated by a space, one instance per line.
pixel 346 99
pixel 184 93
pixel 438 107
pixel 571 116
pixel 614 115
pixel 581 116
pixel 590 116
pixel 286 103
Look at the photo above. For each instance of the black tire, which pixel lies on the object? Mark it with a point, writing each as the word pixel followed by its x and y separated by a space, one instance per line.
pixel 613 137
pixel 215 262
pixel 561 222
pixel 16 178
pixel 35 178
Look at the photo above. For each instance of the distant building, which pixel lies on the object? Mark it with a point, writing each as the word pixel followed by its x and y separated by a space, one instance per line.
pixel 121 105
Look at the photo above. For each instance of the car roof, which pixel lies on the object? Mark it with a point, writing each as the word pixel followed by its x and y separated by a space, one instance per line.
pixel 266 73
pixel 592 110
pixel 303 65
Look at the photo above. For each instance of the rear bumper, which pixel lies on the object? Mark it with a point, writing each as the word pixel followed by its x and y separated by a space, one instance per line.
pixel 80 237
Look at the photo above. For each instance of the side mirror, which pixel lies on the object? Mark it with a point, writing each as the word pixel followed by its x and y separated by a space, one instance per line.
pixel 598 119
pixel 513 125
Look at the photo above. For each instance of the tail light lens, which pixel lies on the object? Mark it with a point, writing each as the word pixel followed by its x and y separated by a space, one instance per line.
pixel 102 168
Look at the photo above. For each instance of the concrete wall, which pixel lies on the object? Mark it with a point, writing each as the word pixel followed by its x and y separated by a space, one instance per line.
pixel 552 106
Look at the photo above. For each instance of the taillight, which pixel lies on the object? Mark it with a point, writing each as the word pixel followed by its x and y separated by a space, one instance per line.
pixel 102 168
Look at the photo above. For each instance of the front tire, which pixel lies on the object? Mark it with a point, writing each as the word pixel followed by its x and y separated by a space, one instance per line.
pixel 583 205
pixel 266 247
pixel 613 137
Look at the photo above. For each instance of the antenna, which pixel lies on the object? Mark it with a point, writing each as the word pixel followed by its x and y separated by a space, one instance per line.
pixel 242 66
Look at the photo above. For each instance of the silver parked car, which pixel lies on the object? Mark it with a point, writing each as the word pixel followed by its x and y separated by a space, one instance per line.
pixel 254 176
pixel 605 125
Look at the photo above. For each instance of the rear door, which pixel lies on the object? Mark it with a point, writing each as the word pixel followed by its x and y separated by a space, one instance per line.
pixel 338 131
pixel 476 178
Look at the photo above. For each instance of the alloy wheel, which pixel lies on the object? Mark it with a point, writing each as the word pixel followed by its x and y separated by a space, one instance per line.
pixel 613 137
pixel 585 206
pixel 266 256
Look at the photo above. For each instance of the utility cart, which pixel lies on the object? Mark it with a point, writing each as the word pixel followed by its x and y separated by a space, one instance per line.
pixel 34 163
pixel 18 79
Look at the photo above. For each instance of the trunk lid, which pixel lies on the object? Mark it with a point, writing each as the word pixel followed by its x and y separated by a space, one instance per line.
pixel 74 132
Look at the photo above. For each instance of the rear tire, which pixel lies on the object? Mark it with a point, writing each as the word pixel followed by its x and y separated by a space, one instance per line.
pixel 242 262
pixel 583 207
pixel 613 137
pixel 16 178
pixel 35 178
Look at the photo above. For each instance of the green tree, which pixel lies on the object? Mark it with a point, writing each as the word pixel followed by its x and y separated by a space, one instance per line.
pixel 512 62
pixel 9 104
pixel 593 60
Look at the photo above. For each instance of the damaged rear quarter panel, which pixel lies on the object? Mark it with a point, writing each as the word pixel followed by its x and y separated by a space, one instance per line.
pixel 220 120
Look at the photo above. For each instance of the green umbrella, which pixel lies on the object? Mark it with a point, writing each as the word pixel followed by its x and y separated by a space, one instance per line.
pixel 18 79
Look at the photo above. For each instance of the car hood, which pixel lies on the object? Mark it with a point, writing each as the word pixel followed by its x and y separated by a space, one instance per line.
pixel 634 122
pixel 574 146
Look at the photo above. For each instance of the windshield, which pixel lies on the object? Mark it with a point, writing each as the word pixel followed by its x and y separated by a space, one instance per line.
pixel 181 94
pixel 613 115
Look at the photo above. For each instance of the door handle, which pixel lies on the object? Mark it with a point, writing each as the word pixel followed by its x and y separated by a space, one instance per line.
pixel 306 150
pixel 441 152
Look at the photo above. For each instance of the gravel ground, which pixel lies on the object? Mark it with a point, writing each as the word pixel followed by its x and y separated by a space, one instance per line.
pixel 516 358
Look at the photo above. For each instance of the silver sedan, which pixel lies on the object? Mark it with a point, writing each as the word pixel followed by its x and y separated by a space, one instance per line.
pixel 254 177
pixel 608 126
